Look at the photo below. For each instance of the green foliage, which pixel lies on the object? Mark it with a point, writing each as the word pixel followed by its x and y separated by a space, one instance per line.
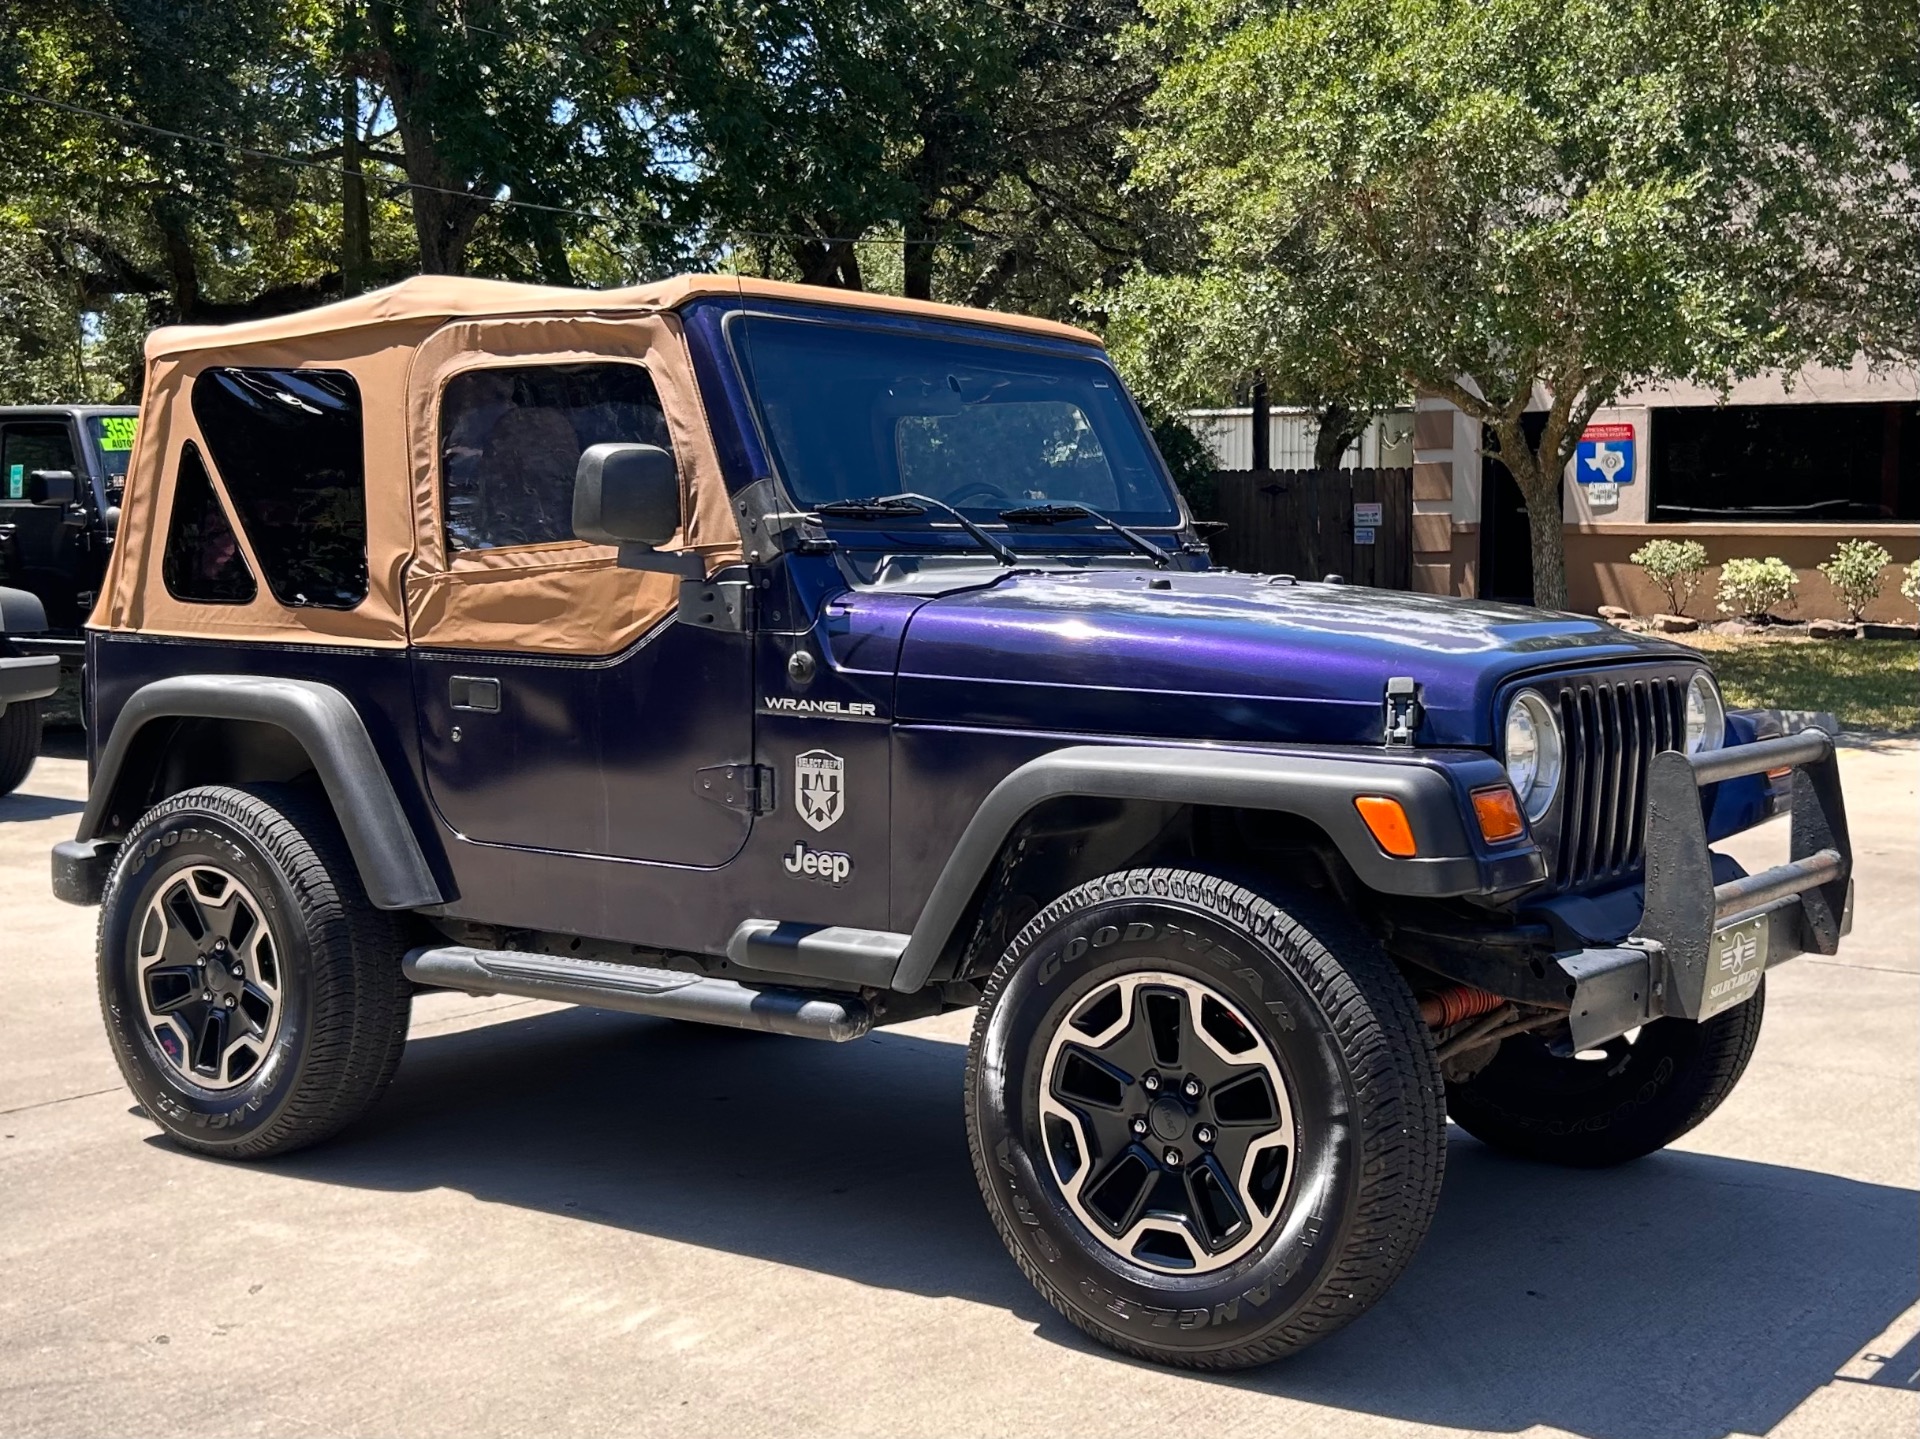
pixel 1674 565
pixel 1910 585
pixel 1752 588
pixel 1188 459
pixel 1854 574
pixel 1485 200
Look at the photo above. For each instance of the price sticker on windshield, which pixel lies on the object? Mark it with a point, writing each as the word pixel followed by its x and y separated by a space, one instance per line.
pixel 116 432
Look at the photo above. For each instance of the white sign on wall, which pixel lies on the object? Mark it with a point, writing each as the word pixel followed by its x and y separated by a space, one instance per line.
pixel 1367 514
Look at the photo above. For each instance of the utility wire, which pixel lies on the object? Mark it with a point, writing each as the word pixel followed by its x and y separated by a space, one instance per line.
pixel 276 157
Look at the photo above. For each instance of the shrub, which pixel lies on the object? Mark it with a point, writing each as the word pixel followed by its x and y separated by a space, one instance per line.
pixel 1750 588
pixel 1854 573
pixel 1674 565
pixel 1910 586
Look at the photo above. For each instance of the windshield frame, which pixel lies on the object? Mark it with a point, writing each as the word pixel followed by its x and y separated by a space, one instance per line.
pixel 1041 542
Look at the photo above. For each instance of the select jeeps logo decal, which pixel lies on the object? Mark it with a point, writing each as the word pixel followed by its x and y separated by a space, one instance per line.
pixel 833 709
pixel 824 864
pixel 819 788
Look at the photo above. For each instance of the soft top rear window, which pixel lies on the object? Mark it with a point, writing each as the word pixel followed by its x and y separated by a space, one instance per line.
pixel 287 445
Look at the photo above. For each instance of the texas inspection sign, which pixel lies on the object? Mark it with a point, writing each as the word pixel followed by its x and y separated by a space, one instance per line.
pixel 1605 456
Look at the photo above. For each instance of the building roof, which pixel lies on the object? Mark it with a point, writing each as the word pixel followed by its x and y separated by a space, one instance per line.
pixel 431 297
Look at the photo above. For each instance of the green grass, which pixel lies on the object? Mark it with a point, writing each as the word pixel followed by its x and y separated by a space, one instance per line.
pixel 1868 684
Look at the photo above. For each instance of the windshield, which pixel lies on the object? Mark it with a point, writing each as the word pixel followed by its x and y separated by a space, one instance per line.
pixel 852 412
pixel 113 438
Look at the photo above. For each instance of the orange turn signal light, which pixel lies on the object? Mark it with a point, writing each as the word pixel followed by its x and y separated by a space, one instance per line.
pixel 1499 813
pixel 1388 822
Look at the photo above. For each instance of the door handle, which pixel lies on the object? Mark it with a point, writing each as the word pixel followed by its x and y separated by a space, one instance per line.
pixel 474 692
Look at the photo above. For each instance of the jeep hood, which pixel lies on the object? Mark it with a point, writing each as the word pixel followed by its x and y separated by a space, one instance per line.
pixel 1229 656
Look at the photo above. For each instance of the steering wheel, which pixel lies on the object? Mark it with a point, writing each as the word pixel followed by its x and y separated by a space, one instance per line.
pixel 986 492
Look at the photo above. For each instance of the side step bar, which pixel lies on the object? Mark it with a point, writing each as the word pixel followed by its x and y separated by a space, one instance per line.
pixel 638 989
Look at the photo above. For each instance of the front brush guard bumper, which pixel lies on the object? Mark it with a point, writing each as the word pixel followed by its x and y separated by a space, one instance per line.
pixel 1690 955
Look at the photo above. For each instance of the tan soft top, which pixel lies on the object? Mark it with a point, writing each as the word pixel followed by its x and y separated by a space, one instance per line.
pixel 446 297
pixel 401 346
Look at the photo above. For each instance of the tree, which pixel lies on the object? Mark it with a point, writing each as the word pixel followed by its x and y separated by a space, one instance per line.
pixel 1521 202
pixel 1190 339
pixel 980 140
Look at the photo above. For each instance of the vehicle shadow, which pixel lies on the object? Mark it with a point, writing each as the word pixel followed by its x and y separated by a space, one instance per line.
pixel 1684 1296
pixel 19 808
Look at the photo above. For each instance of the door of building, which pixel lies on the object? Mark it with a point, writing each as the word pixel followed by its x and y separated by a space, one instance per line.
pixel 1506 544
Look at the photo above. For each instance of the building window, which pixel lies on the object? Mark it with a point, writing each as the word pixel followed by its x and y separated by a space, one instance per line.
pixel 203 562
pixel 288 447
pixel 1787 464
pixel 511 438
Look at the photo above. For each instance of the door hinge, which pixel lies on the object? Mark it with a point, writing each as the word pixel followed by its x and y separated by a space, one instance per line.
pixel 745 787
pixel 715 604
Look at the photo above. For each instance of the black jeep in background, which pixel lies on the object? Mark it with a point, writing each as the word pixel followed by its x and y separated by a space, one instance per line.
pixel 61 472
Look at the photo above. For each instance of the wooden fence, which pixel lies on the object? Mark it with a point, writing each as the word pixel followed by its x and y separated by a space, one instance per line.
pixel 1302 522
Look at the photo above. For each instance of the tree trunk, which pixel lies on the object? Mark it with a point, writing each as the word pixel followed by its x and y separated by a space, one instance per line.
pixel 355 225
pixel 1548 533
pixel 550 248
pixel 1339 427
pixel 918 261
pixel 1262 427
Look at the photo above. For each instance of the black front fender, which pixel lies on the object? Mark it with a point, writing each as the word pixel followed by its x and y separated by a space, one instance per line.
pixel 1432 786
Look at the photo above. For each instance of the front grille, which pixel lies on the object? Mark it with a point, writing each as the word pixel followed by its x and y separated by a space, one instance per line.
pixel 1613 727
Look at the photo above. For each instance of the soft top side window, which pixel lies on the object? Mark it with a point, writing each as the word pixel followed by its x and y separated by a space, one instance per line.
pixel 511 437
pixel 203 562
pixel 287 445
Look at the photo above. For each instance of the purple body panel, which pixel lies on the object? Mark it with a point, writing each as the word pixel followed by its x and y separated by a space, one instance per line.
pixel 1229 657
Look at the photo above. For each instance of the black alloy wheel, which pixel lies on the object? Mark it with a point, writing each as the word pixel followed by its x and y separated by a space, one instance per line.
pixel 1207 1123
pixel 1166 1122
pixel 208 976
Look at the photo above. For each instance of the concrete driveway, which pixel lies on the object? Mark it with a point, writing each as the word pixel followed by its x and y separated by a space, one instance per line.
pixel 572 1222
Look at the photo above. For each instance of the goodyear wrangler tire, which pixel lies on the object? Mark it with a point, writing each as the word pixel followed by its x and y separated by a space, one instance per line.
pixel 252 993
pixel 1623 1100
pixel 1208 1124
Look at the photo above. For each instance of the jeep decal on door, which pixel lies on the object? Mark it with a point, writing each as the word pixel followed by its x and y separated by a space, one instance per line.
pixel 819 787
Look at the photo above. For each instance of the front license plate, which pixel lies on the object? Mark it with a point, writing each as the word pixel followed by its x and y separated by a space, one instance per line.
pixel 1736 958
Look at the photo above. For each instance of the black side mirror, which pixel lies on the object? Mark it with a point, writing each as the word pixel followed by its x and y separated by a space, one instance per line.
pixel 52 487
pixel 626 495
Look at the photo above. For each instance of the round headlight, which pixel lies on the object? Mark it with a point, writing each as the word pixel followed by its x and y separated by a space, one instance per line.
pixel 1532 751
pixel 1706 716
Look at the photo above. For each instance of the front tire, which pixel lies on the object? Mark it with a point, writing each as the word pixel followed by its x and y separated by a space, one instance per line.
pixel 1612 1104
pixel 19 742
pixel 252 994
pixel 1207 1124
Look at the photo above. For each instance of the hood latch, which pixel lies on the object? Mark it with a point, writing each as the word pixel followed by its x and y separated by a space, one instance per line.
pixel 1403 710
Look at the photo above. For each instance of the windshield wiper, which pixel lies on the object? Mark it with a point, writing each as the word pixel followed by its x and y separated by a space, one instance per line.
pixel 1052 513
pixel 879 507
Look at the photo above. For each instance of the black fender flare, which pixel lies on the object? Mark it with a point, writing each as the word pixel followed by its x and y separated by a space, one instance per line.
pixel 325 724
pixel 1431 785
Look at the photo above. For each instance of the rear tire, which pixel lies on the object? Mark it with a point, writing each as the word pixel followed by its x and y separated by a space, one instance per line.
pixel 1626 1101
pixel 252 993
pixel 1210 1200
pixel 19 742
